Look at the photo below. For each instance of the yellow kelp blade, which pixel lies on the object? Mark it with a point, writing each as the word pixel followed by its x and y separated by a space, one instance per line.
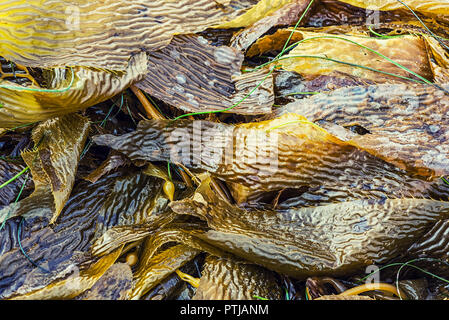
pixel 231 279
pixel 80 88
pixel 262 9
pixel 104 34
pixel 54 161
pixel 434 7
pixel 312 56
pixel 159 267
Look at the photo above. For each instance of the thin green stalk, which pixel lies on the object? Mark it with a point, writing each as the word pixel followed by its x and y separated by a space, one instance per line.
pixel 366 48
pixel 19 235
pixel 15 177
pixel 294 29
pixel 252 91
pixel 21 126
pixel 408 263
pixel 169 171
pixel 349 64
pixel 17 200
pixel 423 24
pixel 260 298
pixel 102 123
pixel 382 35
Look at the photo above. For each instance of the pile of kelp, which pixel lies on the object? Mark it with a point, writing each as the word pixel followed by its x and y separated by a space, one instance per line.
pixel 224 149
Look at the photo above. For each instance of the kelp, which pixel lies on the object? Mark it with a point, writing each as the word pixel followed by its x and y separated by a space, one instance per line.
pixel 80 243
pixel 172 286
pixel 70 90
pixel 223 279
pixel 9 192
pixel 115 284
pixel 332 13
pixel 160 266
pixel 286 152
pixel 290 86
pixel 100 34
pixel 433 244
pixel 335 239
pixel 285 15
pixel 54 160
pixel 402 124
pixel 314 49
pixel 262 9
pixel 194 76
pixel 436 8
pixel 114 160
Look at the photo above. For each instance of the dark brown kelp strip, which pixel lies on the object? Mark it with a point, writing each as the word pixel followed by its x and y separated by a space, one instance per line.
pixel 194 76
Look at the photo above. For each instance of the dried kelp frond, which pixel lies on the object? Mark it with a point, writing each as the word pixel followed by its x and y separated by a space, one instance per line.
pixel 73 90
pixel 286 152
pixel 194 76
pixel 402 124
pixel 101 34
pixel 115 284
pixel 54 161
pixel 71 245
pixel 224 279
pixel 332 239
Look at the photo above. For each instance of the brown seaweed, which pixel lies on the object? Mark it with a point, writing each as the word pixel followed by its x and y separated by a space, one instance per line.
pixel 287 152
pixel 118 200
pixel 315 241
pixel 223 279
pixel 402 124
pixel 194 76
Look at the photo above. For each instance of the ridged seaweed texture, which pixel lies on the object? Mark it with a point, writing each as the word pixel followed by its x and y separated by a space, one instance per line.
pixel 316 48
pixel 192 75
pixel 71 90
pixel 9 192
pixel 334 239
pixel 101 34
pixel 287 152
pixel 115 284
pixel 331 12
pixel 223 279
pixel 405 125
pixel 120 200
pixel 285 15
